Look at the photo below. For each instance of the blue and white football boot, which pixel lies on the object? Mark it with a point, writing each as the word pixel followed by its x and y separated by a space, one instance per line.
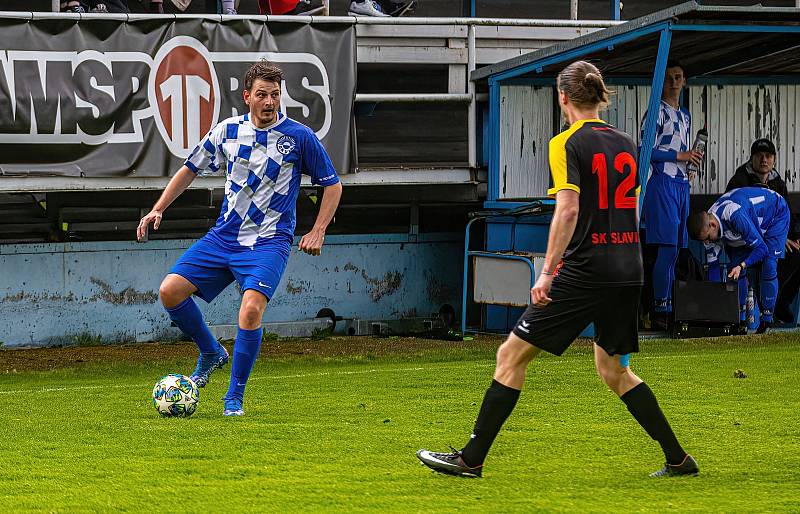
pixel 233 407
pixel 207 363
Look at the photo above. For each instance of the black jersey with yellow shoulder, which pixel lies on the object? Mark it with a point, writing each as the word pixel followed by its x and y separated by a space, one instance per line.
pixel 599 162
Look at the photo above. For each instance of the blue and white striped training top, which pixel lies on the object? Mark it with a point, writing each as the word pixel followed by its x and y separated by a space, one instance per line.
pixel 263 169
pixel 745 217
pixel 673 130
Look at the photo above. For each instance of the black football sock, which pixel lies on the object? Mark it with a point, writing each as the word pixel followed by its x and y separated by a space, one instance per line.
pixel 498 402
pixel 642 403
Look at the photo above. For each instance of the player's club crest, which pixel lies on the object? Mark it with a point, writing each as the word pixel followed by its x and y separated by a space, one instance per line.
pixel 285 144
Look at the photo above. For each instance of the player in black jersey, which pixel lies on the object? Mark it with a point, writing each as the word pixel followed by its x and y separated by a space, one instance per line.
pixel 594 235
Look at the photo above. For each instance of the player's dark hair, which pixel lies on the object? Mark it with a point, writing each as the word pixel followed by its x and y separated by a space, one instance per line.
pixel 263 70
pixel 583 84
pixel 696 224
pixel 674 63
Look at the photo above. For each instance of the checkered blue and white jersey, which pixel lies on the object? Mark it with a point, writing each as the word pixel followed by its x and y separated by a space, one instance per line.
pixel 745 216
pixel 673 130
pixel 263 169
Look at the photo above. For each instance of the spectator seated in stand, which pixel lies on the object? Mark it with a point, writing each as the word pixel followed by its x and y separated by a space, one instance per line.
pixel 210 6
pixel 73 7
pixel 155 6
pixel 291 7
pixel 95 6
pixel 382 8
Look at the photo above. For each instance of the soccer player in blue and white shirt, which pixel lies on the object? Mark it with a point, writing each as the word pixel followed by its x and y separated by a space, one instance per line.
pixel 666 202
pixel 263 154
pixel 752 223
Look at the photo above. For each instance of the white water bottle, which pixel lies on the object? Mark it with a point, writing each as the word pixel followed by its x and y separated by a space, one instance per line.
pixel 699 146
pixel 751 308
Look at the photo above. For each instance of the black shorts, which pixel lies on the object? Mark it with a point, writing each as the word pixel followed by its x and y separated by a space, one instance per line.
pixel 613 310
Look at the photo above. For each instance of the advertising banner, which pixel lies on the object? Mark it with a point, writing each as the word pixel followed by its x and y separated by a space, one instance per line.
pixel 112 98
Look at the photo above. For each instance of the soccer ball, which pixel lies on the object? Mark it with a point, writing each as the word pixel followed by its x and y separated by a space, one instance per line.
pixel 175 396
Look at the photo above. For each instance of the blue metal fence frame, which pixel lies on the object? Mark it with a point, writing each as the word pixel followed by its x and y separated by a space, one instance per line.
pixel 491 255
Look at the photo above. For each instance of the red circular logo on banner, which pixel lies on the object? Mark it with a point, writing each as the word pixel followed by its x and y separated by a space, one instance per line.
pixel 184 93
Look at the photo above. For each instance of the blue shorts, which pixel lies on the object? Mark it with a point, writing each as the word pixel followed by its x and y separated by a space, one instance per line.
pixel 665 210
pixel 212 267
pixel 774 237
pixel 778 231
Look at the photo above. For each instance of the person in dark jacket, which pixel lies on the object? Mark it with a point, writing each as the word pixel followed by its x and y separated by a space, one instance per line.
pixel 760 171
pixel 95 6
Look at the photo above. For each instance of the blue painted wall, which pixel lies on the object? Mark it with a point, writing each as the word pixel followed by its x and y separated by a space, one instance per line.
pixel 53 293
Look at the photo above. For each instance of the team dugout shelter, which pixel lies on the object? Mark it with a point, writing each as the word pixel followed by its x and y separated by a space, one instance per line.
pixel 743 82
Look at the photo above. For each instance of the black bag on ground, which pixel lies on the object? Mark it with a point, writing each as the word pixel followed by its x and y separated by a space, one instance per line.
pixel 705 309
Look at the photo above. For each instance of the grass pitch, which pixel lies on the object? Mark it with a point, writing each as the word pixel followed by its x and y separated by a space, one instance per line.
pixel 333 425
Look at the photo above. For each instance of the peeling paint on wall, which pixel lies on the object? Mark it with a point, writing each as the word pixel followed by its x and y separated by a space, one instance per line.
pixel 383 286
pixel 82 288
pixel 739 114
pixel 297 287
pixel 128 296
pixel 39 297
pixel 378 287
pixel 735 114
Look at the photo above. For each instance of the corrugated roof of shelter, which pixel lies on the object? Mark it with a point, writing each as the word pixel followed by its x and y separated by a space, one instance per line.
pixel 702 52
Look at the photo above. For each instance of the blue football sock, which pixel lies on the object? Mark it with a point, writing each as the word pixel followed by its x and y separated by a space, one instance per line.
pixel 245 351
pixel 769 288
pixel 189 319
pixel 663 277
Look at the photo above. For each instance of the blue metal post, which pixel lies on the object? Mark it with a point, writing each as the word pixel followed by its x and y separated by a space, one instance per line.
pixel 615 9
pixel 494 140
pixel 465 283
pixel 472 9
pixel 652 110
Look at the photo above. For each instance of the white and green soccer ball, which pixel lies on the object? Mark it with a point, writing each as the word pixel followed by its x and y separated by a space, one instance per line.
pixel 175 396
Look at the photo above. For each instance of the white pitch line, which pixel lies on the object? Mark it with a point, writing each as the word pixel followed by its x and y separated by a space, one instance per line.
pixel 77 388
pixel 335 373
pixel 267 377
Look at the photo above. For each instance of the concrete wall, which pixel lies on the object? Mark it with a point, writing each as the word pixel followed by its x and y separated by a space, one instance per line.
pixel 62 293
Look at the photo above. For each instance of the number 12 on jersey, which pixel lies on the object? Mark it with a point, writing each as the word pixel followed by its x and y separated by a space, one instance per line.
pixel 623 163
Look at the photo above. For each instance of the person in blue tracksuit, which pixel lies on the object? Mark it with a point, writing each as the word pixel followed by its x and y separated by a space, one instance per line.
pixel 666 201
pixel 752 223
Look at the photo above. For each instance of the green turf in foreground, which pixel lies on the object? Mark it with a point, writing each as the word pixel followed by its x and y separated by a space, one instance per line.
pixel 339 434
